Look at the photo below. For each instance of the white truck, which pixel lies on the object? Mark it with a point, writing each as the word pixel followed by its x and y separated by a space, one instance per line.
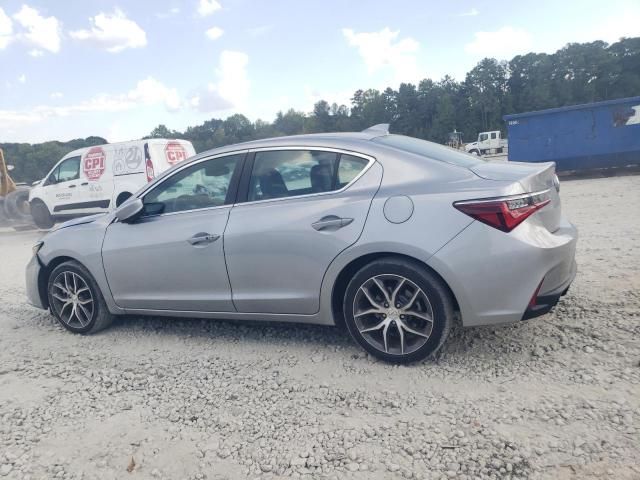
pixel 488 143
pixel 98 179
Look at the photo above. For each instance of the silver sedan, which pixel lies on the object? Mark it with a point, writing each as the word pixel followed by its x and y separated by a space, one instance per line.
pixel 388 235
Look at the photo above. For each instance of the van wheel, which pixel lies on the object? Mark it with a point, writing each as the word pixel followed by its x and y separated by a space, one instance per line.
pixel 475 152
pixel 123 197
pixel 16 205
pixel 41 216
pixel 3 217
pixel 397 310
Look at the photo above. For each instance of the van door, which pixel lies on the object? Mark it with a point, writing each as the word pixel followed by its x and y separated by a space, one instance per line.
pixel 61 186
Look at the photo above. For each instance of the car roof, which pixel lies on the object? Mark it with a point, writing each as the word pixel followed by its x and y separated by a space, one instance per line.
pixel 355 141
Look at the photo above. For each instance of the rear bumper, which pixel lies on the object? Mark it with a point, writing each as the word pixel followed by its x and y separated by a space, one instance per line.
pixel 32 274
pixel 545 303
pixel 493 275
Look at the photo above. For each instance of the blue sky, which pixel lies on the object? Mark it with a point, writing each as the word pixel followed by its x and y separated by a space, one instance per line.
pixel 118 68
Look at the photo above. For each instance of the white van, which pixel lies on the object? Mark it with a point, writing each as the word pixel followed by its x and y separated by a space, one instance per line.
pixel 98 179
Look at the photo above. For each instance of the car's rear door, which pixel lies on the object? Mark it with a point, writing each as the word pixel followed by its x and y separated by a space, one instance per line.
pixel 172 258
pixel 301 208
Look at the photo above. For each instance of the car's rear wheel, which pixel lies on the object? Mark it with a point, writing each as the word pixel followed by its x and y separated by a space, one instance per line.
pixel 76 300
pixel 397 310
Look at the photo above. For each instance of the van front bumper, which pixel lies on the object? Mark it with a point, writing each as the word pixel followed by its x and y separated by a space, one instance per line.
pixel 32 274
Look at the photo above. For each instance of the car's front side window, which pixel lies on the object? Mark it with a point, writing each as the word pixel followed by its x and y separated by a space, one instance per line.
pixel 203 185
pixel 288 173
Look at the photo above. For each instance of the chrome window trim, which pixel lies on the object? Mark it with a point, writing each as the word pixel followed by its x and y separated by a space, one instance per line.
pixel 187 211
pixel 369 158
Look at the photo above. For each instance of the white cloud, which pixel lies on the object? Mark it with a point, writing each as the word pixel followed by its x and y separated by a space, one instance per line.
pixel 470 13
pixel 42 32
pixel 56 95
pixel 169 13
pixel 6 30
pixel 624 22
pixel 231 91
pixel 112 31
pixel 384 50
pixel 259 31
pixel 22 79
pixel 150 91
pixel 501 44
pixel 207 7
pixel 36 53
pixel 214 33
pixel 147 93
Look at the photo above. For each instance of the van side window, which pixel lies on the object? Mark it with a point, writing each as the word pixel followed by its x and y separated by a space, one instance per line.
pixel 493 135
pixel 68 170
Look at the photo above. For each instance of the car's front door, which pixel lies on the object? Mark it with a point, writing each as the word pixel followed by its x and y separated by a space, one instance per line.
pixel 172 258
pixel 303 207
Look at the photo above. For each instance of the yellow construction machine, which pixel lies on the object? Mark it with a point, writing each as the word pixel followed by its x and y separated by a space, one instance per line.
pixel 14 198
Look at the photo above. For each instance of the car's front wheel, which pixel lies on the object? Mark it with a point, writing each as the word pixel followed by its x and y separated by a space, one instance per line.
pixel 397 310
pixel 75 299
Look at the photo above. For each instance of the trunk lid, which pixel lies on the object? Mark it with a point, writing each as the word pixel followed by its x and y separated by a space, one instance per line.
pixel 532 177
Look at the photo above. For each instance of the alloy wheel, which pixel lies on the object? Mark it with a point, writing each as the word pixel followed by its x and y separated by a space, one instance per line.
pixel 72 299
pixel 393 314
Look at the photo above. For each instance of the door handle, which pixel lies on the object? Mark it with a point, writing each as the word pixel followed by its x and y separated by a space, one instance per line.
pixel 72 186
pixel 203 238
pixel 331 222
pixel 83 184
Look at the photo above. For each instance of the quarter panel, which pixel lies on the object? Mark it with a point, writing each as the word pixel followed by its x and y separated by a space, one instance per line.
pixel 494 274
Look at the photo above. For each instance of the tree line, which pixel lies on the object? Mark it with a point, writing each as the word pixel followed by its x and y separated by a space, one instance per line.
pixel 578 73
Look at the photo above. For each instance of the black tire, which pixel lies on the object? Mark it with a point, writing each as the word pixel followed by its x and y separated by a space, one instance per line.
pixel 99 317
pixel 16 205
pixel 40 214
pixel 123 197
pixel 3 217
pixel 474 152
pixel 437 301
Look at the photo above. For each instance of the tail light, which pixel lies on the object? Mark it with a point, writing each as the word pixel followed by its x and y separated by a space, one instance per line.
pixel 504 213
pixel 150 172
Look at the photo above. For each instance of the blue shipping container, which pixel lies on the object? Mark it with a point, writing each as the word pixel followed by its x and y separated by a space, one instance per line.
pixel 579 137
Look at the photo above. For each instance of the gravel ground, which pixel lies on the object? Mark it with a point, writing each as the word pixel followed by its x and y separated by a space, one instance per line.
pixel 556 397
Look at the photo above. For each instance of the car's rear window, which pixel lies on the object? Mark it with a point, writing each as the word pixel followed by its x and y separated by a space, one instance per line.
pixel 430 150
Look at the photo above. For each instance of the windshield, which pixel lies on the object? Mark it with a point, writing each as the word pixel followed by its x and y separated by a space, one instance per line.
pixel 430 150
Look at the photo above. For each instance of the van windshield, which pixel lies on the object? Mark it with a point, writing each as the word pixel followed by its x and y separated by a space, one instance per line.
pixel 430 150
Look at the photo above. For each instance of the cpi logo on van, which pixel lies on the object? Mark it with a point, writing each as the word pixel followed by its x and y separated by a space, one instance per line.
pixel 175 153
pixel 93 163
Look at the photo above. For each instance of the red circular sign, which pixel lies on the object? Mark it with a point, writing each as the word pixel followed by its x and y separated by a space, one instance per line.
pixel 93 163
pixel 175 152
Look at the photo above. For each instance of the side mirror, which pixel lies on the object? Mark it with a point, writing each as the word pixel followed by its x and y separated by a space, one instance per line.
pixel 130 210
pixel 10 167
